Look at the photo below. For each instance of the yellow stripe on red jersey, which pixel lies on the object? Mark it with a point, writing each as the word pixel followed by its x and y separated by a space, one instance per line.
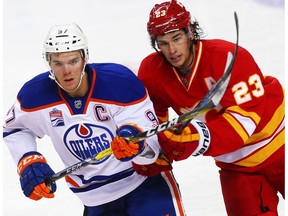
pixel 259 146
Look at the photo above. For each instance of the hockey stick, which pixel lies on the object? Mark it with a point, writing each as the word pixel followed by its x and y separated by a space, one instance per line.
pixel 78 166
pixel 211 99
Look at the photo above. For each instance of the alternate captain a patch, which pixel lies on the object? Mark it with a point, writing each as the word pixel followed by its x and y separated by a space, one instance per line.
pixel 56 118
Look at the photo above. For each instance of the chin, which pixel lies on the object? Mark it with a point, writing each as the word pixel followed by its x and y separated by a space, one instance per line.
pixel 177 65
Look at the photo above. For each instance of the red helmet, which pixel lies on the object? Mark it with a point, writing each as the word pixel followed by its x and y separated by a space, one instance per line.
pixel 166 17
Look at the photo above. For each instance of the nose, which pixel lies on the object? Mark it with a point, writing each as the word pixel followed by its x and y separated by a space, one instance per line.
pixel 66 68
pixel 172 47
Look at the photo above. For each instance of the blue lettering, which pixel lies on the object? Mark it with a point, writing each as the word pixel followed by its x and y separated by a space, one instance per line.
pixel 105 142
pixel 89 147
pixel 75 147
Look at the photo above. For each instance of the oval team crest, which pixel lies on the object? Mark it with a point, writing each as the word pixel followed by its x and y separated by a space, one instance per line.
pixel 86 140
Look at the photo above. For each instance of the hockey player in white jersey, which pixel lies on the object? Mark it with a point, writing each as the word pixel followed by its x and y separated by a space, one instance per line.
pixel 83 107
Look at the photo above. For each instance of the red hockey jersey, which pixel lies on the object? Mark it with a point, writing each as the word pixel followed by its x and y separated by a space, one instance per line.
pixel 247 127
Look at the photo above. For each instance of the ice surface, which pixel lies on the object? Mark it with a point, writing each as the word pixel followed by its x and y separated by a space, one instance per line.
pixel 116 31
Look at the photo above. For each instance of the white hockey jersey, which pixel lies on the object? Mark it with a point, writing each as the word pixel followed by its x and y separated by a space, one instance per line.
pixel 81 127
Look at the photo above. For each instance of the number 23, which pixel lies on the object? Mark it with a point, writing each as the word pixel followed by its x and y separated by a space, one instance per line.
pixel 241 90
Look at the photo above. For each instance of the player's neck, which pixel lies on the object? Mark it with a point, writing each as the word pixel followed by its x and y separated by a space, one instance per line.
pixel 185 71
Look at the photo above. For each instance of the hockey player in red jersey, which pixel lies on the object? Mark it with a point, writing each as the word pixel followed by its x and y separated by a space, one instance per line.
pixel 84 109
pixel 244 133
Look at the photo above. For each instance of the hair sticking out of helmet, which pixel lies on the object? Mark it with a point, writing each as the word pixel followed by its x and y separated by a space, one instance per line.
pixel 167 17
pixel 65 38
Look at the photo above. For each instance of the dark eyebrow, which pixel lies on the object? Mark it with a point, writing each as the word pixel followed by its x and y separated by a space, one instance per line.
pixel 180 33
pixel 74 59
pixel 173 37
pixel 53 60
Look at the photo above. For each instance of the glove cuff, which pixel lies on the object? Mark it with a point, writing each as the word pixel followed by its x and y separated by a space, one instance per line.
pixel 205 138
pixel 28 159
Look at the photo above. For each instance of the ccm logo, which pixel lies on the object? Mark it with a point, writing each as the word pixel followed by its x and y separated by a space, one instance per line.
pixel 28 160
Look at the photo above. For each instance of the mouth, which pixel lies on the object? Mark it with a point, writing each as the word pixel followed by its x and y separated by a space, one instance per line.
pixel 175 59
pixel 69 81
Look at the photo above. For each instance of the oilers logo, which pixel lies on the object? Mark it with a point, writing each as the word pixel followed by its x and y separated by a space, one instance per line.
pixel 86 140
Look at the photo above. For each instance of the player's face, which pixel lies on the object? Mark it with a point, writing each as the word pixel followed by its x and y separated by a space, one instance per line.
pixel 67 68
pixel 176 48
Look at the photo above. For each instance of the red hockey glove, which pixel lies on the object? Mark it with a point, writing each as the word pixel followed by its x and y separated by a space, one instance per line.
pixel 160 165
pixel 124 150
pixel 194 140
pixel 33 170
